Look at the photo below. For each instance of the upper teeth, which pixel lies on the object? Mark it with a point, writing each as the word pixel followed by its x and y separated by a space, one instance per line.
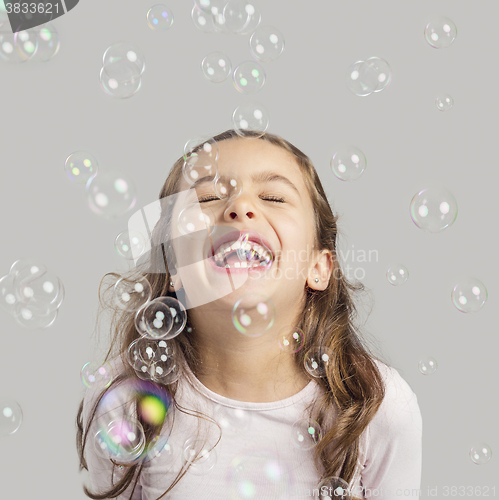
pixel 227 248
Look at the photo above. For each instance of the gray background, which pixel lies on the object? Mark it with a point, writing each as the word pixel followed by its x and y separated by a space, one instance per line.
pixel 50 110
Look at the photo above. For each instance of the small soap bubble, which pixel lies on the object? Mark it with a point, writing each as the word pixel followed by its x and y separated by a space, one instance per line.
pixel 48 43
pixel 132 292
pixel 305 434
pixel 397 274
pixel 201 455
pixel 440 32
pixel 200 166
pixel 130 244
pixel 266 43
pixel 164 318
pixel 249 77
pixel 216 67
pixel 291 339
pixel 348 163
pixel 480 453
pixel 124 62
pixel 11 416
pixel 33 316
pixel 124 440
pixel 202 20
pixel 200 147
pixel 237 14
pixel 469 295
pixel 159 17
pixel 81 166
pixel 96 375
pixel 253 314
pixel 433 209
pixel 334 488
pixel 26 43
pixel 111 194
pixel 362 78
pixel 444 102
pixel 113 87
pixel 427 365
pixel 318 360
pixel 228 185
pixel 196 221
pixel 250 116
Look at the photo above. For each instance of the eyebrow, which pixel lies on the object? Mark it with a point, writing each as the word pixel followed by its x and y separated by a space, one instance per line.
pixel 268 176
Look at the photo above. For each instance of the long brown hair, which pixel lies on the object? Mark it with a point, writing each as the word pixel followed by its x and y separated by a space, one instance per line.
pixel 353 384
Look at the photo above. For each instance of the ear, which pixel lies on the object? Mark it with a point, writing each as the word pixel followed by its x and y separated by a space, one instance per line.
pixel 322 268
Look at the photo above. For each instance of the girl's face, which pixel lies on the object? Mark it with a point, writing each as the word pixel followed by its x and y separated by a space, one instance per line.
pixel 273 203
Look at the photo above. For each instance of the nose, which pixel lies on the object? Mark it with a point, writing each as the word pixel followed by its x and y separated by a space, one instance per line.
pixel 240 208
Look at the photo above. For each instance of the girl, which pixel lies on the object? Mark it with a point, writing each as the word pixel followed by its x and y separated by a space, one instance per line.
pixel 272 393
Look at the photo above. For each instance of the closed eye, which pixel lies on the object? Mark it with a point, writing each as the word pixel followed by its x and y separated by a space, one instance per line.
pixel 275 199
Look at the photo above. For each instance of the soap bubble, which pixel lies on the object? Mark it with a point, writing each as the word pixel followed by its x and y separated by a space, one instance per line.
pixel 480 453
pixel 26 43
pixel 317 360
pixel 253 22
pixel 34 317
pixel 216 67
pixel 228 185
pixel 119 89
pixel 469 295
pixel 132 292
pixel 97 375
pixel 159 17
pixel 291 339
pixel 444 102
pixel 256 474
pixel 433 209
pixel 199 167
pixel 397 274
pixel 202 20
pixel 266 43
pixel 334 488
pixel 362 78
pixel 123 61
pixel 11 416
pixel 48 43
pixel 237 15
pixel 305 434
pixel 164 318
pixel 200 147
pixel 159 447
pixel 201 456
pixel 250 116
pixel 253 314
pixel 249 77
pixel 130 244
pixel 81 166
pixel 111 194
pixel 204 5
pixel 440 32
pixel 427 365
pixel 196 223
pixel 383 71
pixel 348 163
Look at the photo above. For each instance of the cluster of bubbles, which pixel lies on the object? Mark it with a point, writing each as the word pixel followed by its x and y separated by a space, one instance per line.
pixel 366 77
pixel 31 293
pixel 123 65
pixel 38 44
pixel 109 194
pixel 159 17
pixel 118 433
pixel 11 416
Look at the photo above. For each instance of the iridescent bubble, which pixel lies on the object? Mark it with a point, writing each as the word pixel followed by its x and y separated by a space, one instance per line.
pixel 48 43
pixel 427 365
pixel 32 317
pixel 253 314
pixel 96 375
pixel 250 116
pixel 383 71
pixel 334 488
pixel 132 292
pixel 318 360
pixel 397 274
pixel 362 78
pixel 204 5
pixel 200 147
pixel 26 43
pixel 152 409
pixel 480 453
pixel 228 185
pixel 440 32
pixel 201 455
pixel 130 244
pixel 119 89
pixel 11 416
pixel 232 420
pixel 202 20
pixel 195 223
pixel 305 434
pixel 348 163
pixel 216 67
pixel 291 339
pixel 237 14
pixel 111 194
pixel 249 77
pixel 256 474
pixel 81 166
pixel 433 209
pixel 124 62
pixel 266 43
pixel 164 318
pixel 444 102
pixel 159 17
pixel 469 295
